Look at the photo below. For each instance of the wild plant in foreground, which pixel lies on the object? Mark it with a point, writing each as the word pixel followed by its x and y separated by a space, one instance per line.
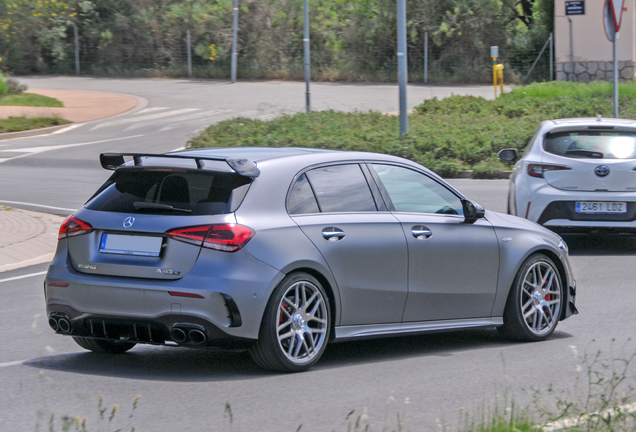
pixel 80 424
pixel 602 399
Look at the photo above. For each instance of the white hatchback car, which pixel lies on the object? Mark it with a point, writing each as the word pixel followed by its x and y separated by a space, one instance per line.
pixel 577 176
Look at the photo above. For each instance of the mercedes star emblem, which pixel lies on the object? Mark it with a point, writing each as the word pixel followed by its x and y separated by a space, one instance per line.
pixel 128 222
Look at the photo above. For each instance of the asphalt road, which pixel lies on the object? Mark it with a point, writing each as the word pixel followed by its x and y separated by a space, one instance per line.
pixel 428 381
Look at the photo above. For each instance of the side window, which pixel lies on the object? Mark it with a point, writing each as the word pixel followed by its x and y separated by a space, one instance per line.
pixel 341 188
pixel 411 191
pixel 301 198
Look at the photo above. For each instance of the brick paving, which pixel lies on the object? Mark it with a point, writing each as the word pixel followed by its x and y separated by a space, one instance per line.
pixel 27 237
pixel 79 106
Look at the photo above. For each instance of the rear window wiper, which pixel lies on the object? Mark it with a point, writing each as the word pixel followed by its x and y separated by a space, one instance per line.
pixel 141 205
pixel 590 153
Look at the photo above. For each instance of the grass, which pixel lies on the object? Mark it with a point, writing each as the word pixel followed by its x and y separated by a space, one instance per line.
pixel 18 124
pixel 30 99
pixel 448 136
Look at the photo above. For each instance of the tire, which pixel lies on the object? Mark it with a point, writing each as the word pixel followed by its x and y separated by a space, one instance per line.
pixel 533 309
pixel 103 346
pixel 295 327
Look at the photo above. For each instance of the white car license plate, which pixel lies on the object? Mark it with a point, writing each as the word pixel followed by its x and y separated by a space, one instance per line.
pixel 131 245
pixel 591 207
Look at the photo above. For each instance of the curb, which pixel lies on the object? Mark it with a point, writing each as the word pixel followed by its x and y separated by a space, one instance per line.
pixel 32 132
pixel 468 174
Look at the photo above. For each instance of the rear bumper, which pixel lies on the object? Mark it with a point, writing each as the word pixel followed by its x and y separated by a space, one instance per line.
pixel 555 209
pixel 149 330
pixel 227 303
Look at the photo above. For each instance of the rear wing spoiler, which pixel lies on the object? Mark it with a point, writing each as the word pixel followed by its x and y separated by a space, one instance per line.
pixel 244 167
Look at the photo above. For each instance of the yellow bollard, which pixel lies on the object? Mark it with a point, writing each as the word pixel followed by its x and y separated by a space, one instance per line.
pixel 497 75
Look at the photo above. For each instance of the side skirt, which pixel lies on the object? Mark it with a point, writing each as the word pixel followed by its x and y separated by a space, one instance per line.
pixel 380 330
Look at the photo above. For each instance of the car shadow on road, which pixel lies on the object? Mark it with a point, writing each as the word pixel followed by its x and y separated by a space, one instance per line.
pixel 191 365
pixel 582 245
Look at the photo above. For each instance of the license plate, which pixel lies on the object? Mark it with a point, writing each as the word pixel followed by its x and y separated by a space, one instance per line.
pixel 130 245
pixel 592 207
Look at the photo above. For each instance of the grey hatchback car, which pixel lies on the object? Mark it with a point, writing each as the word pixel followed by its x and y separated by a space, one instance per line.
pixel 282 250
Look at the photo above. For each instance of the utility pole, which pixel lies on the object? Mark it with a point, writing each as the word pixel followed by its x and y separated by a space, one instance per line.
pixel 402 64
pixel 234 37
pixel 307 57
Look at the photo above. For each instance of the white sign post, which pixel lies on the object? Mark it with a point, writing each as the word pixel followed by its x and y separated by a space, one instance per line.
pixel 613 14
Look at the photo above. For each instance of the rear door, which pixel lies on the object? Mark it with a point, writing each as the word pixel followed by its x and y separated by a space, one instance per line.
pixel 364 246
pixel 453 266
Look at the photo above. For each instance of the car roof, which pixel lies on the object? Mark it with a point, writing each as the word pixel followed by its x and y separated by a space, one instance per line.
pixel 591 121
pixel 256 154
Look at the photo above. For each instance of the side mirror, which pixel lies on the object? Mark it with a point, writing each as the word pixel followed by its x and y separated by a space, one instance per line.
pixel 472 211
pixel 510 155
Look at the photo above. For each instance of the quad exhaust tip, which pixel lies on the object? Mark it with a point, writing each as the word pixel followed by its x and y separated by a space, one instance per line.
pixel 187 334
pixel 60 324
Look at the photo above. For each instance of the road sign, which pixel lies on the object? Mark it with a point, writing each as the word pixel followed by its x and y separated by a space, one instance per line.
pixel 575 7
pixel 608 21
pixel 617 12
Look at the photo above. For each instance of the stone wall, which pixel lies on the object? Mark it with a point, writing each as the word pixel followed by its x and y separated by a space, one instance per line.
pixel 589 71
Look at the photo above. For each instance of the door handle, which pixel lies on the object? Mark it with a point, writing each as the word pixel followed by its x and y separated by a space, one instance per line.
pixel 421 232
pixel 333 234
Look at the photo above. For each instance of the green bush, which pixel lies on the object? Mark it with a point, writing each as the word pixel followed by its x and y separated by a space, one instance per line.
pixel 4 87
pixel 448 136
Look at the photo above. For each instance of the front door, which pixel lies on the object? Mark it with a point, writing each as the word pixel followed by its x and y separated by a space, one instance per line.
pixel 453 266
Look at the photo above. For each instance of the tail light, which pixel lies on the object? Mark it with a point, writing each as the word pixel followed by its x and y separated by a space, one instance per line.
pixel 222 237
pixel 72 227
pixel 537 170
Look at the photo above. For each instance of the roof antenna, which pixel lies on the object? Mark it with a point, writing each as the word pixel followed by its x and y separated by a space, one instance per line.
pixel 598 119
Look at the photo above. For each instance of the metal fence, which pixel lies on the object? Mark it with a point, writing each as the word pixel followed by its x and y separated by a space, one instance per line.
pixel 357 52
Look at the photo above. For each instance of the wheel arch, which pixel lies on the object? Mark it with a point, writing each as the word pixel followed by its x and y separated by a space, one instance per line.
pixel 562 273
pixel 326 279
pixel 507 280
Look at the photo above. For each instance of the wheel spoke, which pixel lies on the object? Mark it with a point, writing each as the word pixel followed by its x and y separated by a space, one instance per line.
pixel 283 325
pixel 304 296
pixel 316 306
pixel 529 313
pixel 298 345
pixel 526 305
pixel 536 320
pixel 285 336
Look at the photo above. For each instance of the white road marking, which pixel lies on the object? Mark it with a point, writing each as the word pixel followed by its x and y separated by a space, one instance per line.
pixel 22 277
pixel 37 205
pixel 66 129
pixel 203 116
pixel 14 363
pixel 147 110
pixel 148 117
pixel 34 150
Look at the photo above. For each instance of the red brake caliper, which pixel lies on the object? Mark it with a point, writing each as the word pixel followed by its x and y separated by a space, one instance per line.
pixel 548 296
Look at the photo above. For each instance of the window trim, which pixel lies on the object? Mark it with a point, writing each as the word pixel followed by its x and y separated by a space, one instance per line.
pixel 373 188
pixel 385 193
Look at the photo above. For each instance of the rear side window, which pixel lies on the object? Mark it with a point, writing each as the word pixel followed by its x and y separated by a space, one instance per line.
pixel 337 188
pixel 592 144
pixel 301 198
pixel 168 191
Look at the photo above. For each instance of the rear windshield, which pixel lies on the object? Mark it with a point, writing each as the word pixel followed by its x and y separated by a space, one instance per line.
pixel 592 144
pixel 170 191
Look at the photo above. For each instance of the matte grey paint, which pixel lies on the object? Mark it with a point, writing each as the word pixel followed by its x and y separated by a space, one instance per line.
pixel 283 244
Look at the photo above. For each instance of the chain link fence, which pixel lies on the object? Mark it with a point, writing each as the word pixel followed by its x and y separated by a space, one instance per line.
pixel 351 42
